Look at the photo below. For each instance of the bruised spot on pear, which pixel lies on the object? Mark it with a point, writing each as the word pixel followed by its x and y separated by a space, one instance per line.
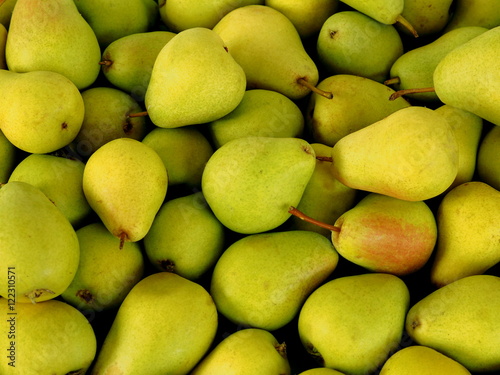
pixel 64 125
pixel 281 349
pixel 85 295
pixel 332 33
pixel 37 293
pixel 167 265
pixel 127 126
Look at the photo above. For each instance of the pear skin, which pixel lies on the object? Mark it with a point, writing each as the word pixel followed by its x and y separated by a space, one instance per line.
pixel 428 17
pixel 488 169
pixel 482 13
pixel 8 158
pixel 3 41
pixel 321 371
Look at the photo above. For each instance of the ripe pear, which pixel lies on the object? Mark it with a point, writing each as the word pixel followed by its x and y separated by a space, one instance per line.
pixel 194 80
pixel 262 280
pixel 477 86
pixel 421 360
pixel 185 237
pixel 248 351
pixel 45 338
pixel 184 152
pixel 428 17
pixel 38 241
pixel 60 179
pixel 105 273
pixel 352 323
pixel 357 102
pixel 173 322
pixel 351 42
pixel 482 13
pixel 3 41
pixel 460 320
pixel 125 183
pixel 321 371
pixel 268 47
pixel 264 113
pixel 55 38
pixel 127 62
pixel 41 111
pixel 412 154
pixel 8 158
pixel 250 182
pixel 6 7
pixel 488 168
pixel 469 235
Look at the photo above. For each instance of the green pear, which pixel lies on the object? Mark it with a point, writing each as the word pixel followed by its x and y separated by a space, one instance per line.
pixel 482 13
pixel 185 237
pixel 467 128
pixel 460 320
pixel 352 323
pixel 181 15
pixel 321 371
pixel 37 243
pixel 127 62
pixel 185 89
pixel 40 111
pixel 54 38
pixel 357 102
pixel 324 198
pixel 45 338
pixel 111 20
pixel 476 86
pixel 184 152
pixel 415 68
pixel 412 154
pixel 248 351
pixel 60 179
pixel 351 42
pixel 6 7
pixel 307 16
pixel 262 280
pixel 469 236
pixel 268 47
pixel 488 168
pixel 250 182
pixel 3 41
pixel 8 158
pixel 264 113
pixel 173 322
pixel 106 117
pixel 421 360
pixel 105 273
pixel 125 183
pixel 428 17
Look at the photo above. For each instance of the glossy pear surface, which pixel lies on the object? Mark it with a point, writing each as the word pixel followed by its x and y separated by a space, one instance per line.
pixel 428 17
pixel 482 13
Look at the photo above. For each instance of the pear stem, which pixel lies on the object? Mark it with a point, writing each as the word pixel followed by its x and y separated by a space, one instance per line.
pixel 325 158
pixel 138 114
pixel 103 62
pixel 407 25
pixel 314 89
pixel 123 237
pixel 303 216
pixel 392 81
pixel 399 93
pixel 2 1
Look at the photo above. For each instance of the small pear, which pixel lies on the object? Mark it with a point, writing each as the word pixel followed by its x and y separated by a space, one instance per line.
pixel 8 158
pixel 428 17
pixel 248 351
pixel 488 168
pixel 125 183
pixel 482 13
pixel 353 323
pixel 262 280
pixel 460 320
pixel 172 320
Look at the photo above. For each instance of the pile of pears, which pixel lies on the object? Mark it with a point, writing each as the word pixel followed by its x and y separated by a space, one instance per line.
pixel 269 187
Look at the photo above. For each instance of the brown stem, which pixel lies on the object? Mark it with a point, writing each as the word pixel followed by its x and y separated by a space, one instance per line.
pixel 303 216
pixel 407 25
pixel 399 93
pixel 392 81
pixel 138 114
pixel 2 1
pixel 314 89
pixel 104 62
pixel 123 237
pixel 324 158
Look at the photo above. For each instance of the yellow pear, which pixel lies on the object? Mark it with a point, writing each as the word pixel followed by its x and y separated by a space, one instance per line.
pixel 488 167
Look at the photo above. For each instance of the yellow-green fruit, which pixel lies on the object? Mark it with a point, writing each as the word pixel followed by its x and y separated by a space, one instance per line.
pixel 428 17
pixel 321 371
pixel 6 12
pixel 488 167
pixel 3 41
pixel 7 158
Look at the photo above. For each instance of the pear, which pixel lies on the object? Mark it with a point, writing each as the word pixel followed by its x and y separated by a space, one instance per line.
pixel 185 237
pixel 307 16
pixel 428 17
pixel 482 13
pixel 357 102
pixel 55 38
pixel 248 351
pixel 60 179
pixel 127 62
pixel 36 241
pixel 477 86
pixel 353 323
pixel 105 273
pixel 469 236
pixel 172 320
pixel 188 90
pixel 351 42
pixel 3 41
pixel 460 320
pixel 250 182
pixel 262 280
pixel 260 113
pixel 45 338
pixel 184 152
pixel 421 360
pixel 268 47
pixel 6 7
pixel 107 111
pixel 41 111
pixel 8 158
pixel 125 183
pixel 412 154
pixel 488 168
pixel 321 371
